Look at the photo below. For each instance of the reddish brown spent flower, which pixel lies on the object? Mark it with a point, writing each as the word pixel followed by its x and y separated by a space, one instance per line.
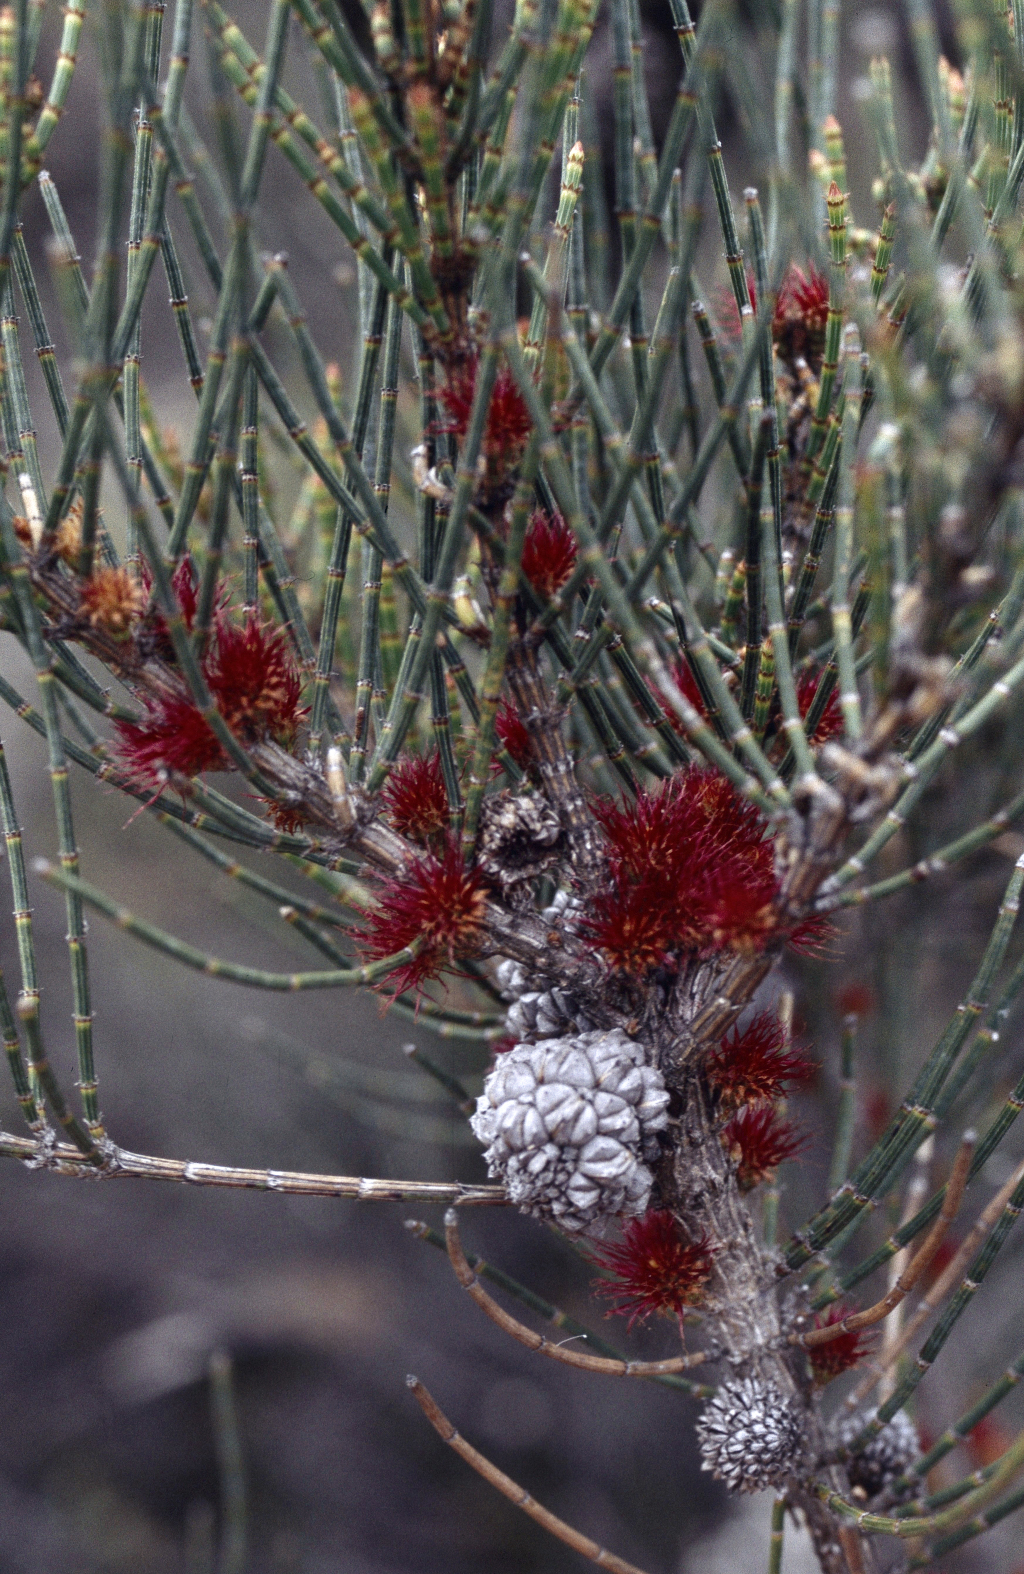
pixel 284 816
pixel 415 798
pixel 831 1360
pixel 549 552
pixel 754 1064
pixel 250 672
pixel 514 736
pixel 437 901
pixel 831 723
pixel 758 1141
pixel 112 601
pixel 653 1269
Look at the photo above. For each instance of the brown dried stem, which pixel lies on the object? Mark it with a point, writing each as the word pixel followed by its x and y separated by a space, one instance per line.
pixel 906 1281
pixel 512 1490
pixel 119 1164
pixel 535 1341
pixel 940 1289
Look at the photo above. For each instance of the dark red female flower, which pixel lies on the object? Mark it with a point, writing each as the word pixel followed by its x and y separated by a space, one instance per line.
pixel 416 800
pixel 512 732
pixel 831 1360
pixel 185 586
pixel 255 688
pixel 759 1140
pixel 801 312
pixel 686 683
pixel 508 421
pixel 250 671
pixel 172 737
pixel 799 319
pixel 754 1064
pixel 653 1269
pixel 689 872
pixel 831 723
pixel 436 901
pixel 549 552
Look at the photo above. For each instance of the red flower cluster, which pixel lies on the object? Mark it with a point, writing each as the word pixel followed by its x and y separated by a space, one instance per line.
pixel 686 683
pixel 186 589
pixel 753 1065
pixel 653 1269
pixel 549 552
pixel 798 323
pixel 801 312
pixel 758 1140
pixel 513 734
pixel 436 901
pixel 255 688
pixel 831 1360
pixel 508 421
pixel 831 723
pixel 689 872
pixel 415 798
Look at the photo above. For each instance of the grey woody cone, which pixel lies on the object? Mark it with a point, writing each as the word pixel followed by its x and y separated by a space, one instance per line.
pixel 751 1435
pixel 567 1125
pixel 885 1458
pixel 520 838
pixel 538 1013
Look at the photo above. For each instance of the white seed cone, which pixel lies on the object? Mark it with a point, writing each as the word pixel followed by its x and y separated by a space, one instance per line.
pixel 567 1124
pixel 886 1457
pixel 751 1435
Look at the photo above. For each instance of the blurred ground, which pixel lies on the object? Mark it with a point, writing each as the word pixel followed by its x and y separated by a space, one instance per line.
pixel 114 1295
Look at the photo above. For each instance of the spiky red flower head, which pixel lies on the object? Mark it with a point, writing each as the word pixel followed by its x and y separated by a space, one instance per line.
pixel 549 552
pixel 801 312
pixel 508 421
pixel 416 800
pixel 436 901
pixel 510 728
pixel 689 872
pixel 798 322
pixel 250 671
pixel 754 1064
pixel 184 583
pixel 653 1269
pixel 831 1360
pixel 758 1140
pixel 255 688
pixel 173 736
pixel 831 723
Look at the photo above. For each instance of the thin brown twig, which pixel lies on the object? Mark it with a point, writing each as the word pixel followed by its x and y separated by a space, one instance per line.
pixel 119 1164
pixel 940 1289
pixel 512 1490
pixel 906 1281
pixel 536 1341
